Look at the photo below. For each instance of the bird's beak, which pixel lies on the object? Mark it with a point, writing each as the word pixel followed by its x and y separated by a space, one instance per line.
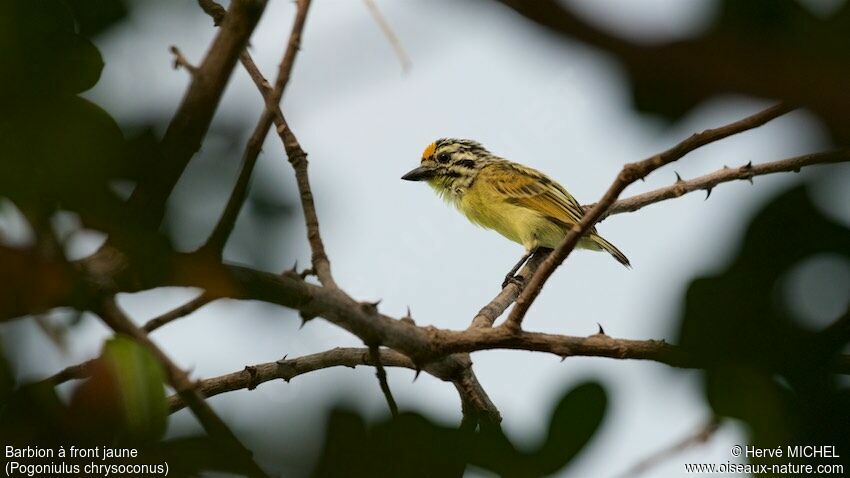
pixel 421 173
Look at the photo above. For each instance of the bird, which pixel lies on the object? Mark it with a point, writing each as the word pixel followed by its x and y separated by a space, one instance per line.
pixel 519 202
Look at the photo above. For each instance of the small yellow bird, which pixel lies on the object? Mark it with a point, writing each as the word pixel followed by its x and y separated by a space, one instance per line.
pixel 516 201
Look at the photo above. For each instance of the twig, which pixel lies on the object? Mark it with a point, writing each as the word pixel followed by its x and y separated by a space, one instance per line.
pixel 189 125
pixel 287 369
pixel 73 372
pixel 81 370
pixel 390 34
pixel 218 238
pixel 709 181
pixel 700 437
pixel 178 313
pixel 297 156
pixel 181 61
pixel 496 307
pixel 114 317
pixel 630 173
pixel 375 354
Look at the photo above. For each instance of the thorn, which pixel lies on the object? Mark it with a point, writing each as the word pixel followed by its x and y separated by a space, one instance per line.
pixel 294 269
pixel 601 330
pixel 747 166
pixel 305 317
pixel 418 371
pixel 750 179
pixel 252 372
pixel 408 319
pixel 563 357
pixel 725 167
pixel 371 306
pixel 678 178
pixel 708 193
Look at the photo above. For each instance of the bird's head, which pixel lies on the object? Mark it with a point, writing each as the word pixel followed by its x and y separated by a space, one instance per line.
pixel 450 163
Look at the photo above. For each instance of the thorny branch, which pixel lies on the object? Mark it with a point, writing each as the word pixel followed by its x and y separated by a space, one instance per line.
pixel 630 173
pixel 707 182
pixel 190 123
pixel 224 227
pixel 286 369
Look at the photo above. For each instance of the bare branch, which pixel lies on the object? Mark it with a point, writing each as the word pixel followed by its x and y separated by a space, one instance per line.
pixel 253 375
pixel 218 238
pixel 375 354
pixel 496 307
pixel 709 181
pixel 178 313
pixel 179 379
pixel 190 123
pixel 630 173
pixel 297 156
pixel 73 372
pixel 390 34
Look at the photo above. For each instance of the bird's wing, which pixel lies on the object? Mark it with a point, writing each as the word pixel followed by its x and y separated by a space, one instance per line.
pixel 529 188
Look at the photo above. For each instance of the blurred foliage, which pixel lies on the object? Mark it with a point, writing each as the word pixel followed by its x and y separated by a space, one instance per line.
pixel 58 148
pixel 120 405
pixel 765 34
pixel 122 402
pixel 774 49
pixel 413 446
pixel 765 366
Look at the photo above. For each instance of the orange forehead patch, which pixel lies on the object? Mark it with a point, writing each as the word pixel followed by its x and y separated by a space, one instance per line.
pixel 429 151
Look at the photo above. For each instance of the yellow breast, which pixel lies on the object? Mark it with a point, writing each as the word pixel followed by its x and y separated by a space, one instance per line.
pixel 519 224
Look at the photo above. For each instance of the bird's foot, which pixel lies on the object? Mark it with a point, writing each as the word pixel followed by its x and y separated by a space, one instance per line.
pixel 513 279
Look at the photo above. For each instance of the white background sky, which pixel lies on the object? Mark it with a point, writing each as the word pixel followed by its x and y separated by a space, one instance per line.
pixel 481 72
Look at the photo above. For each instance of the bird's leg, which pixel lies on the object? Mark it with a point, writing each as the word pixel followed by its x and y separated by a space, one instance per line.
pixel 511 277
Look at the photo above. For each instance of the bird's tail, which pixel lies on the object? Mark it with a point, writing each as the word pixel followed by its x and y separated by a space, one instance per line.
pixel 606 246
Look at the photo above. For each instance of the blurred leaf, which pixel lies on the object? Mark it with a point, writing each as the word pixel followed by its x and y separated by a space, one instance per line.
pixel 33 415
pixel 780 36
pixel 412 445
pixel 763 367
pixel 190 456
pixel 7 378
pixel 574 422
pixel 32 283
pixel 95 16
pixel 42 54
pixel 125 396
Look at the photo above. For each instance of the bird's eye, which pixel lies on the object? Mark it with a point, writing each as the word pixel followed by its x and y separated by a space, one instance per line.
pixel 443 157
